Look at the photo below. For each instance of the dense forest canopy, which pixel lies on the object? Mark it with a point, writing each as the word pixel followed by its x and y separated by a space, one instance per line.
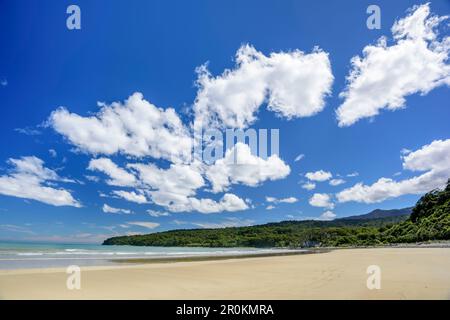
pixel 429 220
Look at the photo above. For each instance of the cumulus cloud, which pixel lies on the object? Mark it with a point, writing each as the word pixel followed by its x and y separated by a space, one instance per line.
pixel 432 159
pixel 321 200
pixel 336 182
pixel 229 202
pixel 327 216
pixel 385 75
pixel 108 209
pixel 175 189
pixel 169 187
pixel 118 176
pixel 131 196
pixel 135 127
pixel 240 166
pixel 281 200
pixel 309 186
pixel 293 84
pixel 318 175
pixel 29 179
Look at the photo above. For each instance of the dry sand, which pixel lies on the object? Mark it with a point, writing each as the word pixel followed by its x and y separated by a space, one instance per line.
pixel 406 273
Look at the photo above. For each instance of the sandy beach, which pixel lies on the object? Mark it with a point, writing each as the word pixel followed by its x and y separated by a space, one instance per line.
pixel 406 273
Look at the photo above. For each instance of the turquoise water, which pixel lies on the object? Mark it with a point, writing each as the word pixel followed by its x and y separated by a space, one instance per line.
pixel 36 255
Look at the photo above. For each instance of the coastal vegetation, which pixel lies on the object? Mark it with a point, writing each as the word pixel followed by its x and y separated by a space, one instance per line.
pixel 428 220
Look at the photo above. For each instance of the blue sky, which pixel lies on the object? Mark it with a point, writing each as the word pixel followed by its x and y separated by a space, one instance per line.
pixel 154 48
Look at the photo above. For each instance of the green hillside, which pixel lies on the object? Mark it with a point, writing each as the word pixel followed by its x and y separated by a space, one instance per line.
pixel 429 220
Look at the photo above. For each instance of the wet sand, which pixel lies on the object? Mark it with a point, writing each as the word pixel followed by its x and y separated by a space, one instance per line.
pixel 406 273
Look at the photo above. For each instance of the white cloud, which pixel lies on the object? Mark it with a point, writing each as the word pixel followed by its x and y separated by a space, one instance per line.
pixel 131 196
pixel 293 84
pixel 92 178
pixel 30 180
pixel 299 157
pixel 327 216
pixel 385 75
pixel 240 166
pixel 321 200
pixel 434 156
pixel 156 214
pixel 33 166
pixel 309 186
pixel 144 224
pixel 336 182
pixel 118 176
pixel 107 209
pixel 353 174
pixel 229 202
pixel 136 128
pixel 289 200
pixel 432 159
pixel 270 207
pixel 170 187
pixel 318 175
pixel 281 200
pixel 174 188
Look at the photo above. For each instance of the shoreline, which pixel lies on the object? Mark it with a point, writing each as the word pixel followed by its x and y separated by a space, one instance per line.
pixel 219 257
pixel 407 273
pixel 105 261
pixel 130 261
pixel 136 263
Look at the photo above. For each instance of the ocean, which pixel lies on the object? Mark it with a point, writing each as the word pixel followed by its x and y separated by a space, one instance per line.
pixel 14 255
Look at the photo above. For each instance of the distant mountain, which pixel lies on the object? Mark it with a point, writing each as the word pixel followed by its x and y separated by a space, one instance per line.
pixel 380 214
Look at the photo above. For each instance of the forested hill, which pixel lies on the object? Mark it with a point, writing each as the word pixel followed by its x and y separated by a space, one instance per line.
pixel 429 220
pixel 379 214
